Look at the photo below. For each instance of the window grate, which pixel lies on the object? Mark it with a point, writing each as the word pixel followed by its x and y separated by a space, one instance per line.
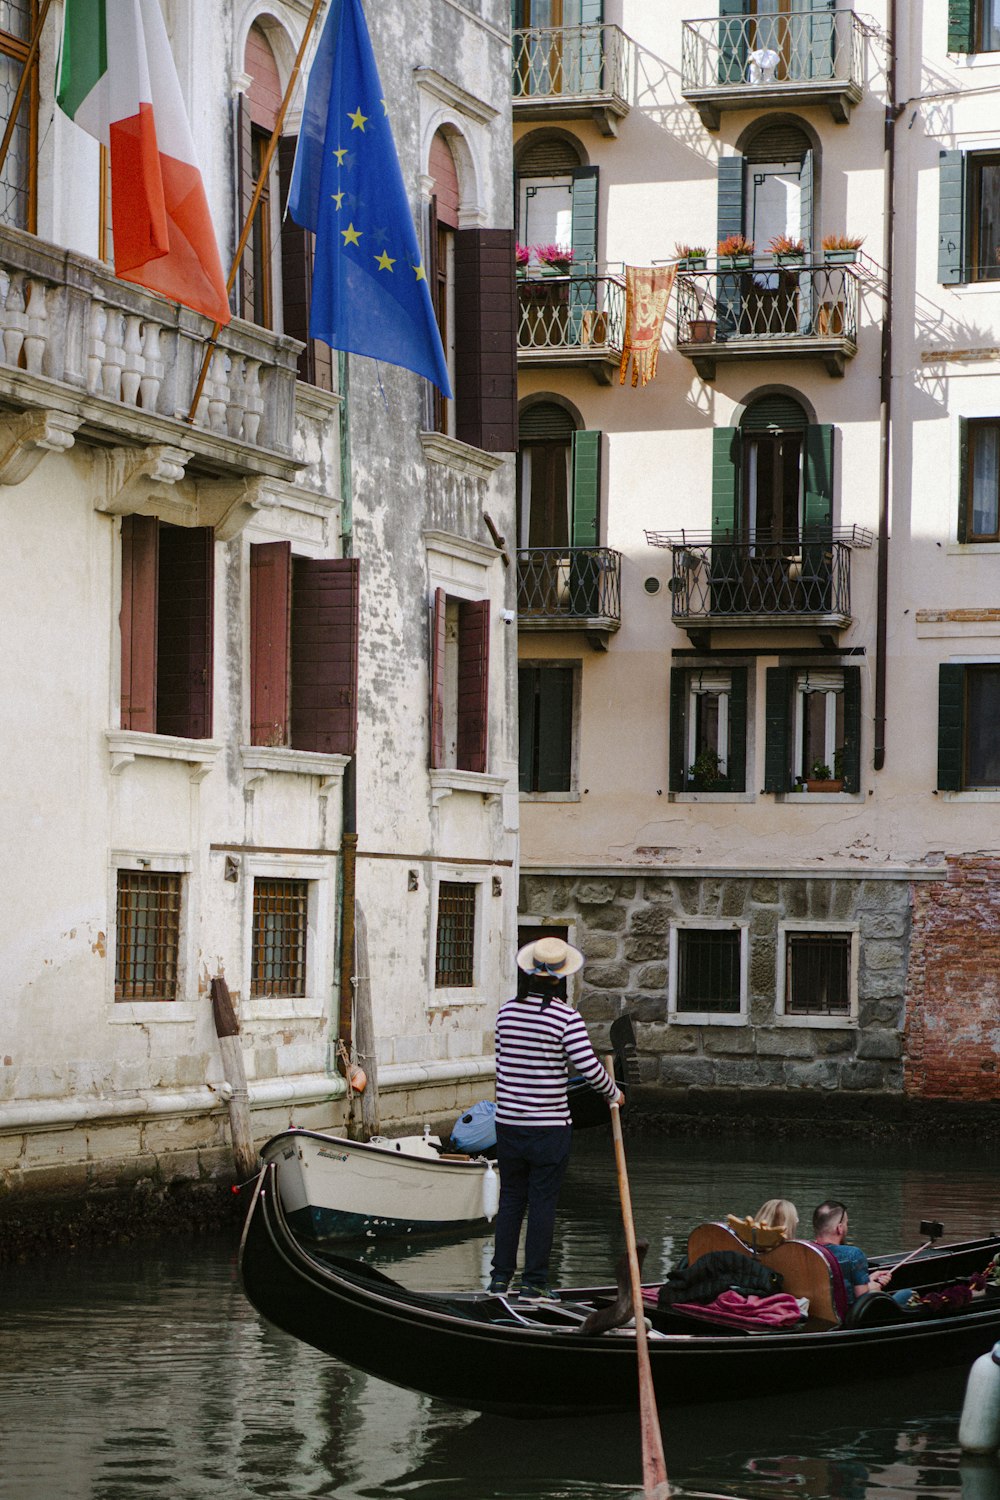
pixel 708 970
pixel 148 936
pixel 454 966
pixel 818 974
pixel 280 918
pixel 17 176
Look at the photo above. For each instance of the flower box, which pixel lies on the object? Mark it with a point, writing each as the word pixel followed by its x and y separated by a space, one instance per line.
pixel 835 785
pixel 735 262
pixel 788 258
pixel 693 263
pixel 840 257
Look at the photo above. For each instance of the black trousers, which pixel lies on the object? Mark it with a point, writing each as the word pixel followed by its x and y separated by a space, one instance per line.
pixel 532 1161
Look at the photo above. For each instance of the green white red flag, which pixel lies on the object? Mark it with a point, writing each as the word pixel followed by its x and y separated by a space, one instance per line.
pixel 117 80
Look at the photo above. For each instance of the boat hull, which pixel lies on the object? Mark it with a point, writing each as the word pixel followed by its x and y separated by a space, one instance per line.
pixel 332 1188
pixel 440 1347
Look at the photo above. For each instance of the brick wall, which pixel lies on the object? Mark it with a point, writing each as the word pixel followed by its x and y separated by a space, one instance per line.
pixel 953 995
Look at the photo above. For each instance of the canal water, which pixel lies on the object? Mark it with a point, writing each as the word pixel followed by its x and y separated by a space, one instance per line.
pixel 142 1372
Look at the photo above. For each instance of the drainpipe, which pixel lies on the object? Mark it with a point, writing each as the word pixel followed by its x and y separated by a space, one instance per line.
pixel 892 112
pixel 349 785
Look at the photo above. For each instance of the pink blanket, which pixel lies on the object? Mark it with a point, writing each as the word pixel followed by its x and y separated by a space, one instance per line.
pixel 779 1311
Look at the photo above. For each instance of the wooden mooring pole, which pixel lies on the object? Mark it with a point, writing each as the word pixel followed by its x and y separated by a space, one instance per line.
pixel 227 1029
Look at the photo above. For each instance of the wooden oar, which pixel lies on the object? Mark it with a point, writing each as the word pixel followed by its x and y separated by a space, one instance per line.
pixel 654 1468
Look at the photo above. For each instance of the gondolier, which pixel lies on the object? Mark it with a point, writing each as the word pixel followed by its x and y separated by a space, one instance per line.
pixel 540 1041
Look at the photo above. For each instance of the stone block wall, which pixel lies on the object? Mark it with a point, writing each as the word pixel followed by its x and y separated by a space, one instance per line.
pixel 622 924
pixel 953 1005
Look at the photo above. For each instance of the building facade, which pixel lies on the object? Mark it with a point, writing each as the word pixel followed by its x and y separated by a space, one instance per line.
pixel 758 661
pixel 258 665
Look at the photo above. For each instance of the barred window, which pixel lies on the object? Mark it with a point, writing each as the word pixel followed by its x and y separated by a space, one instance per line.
pixel 454 966
pixel 708 970
pixel 17 177
pixel 148 935
pixel 818 970
pixel 280 921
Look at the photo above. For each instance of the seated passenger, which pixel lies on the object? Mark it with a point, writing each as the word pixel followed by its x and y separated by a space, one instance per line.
pixel 779 1213
pixel 830 1232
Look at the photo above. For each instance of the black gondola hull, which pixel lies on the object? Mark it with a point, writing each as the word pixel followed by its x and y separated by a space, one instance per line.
pixel 439 1346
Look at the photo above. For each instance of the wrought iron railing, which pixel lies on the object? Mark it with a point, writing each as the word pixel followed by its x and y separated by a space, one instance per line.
pixel 792 576
pixel 767 302
pixel 569 583
pixel 579 312
pixel 820 47
pixel 560 62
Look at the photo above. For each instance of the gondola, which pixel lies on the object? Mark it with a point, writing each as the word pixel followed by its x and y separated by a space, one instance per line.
pixel 484 1353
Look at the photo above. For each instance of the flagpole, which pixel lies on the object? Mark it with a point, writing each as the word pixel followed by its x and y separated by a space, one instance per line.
pixel 8 134
pixel 272 146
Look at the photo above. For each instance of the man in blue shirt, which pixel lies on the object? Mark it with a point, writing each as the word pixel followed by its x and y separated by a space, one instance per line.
pixel 830 1231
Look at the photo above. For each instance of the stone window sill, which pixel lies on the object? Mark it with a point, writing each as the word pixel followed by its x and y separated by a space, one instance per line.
pixel 447 780
pixel 126 745
pixel 260 761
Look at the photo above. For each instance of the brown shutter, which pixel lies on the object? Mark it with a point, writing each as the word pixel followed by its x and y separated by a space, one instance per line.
pixel 244 193
pixel 325 620
pixel 486 339
pixel 438 633
pixel 184 632
pixel 315 361
pixel 473 683
pixel 138 622
pixel 270 641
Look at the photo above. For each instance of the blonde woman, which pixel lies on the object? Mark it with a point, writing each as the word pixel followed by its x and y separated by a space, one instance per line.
pixel 779 1213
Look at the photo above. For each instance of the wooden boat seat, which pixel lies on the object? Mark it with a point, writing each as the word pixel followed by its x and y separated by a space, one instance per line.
pixel 803 1267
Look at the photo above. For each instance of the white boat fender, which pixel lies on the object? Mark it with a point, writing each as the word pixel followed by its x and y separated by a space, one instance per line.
pixel 979 1429
pixel 491 1191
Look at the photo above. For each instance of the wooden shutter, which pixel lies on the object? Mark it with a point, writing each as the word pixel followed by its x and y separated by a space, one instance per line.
pixel 777 735
pixel 807 182
pixel 316 360
pixel 729 220
pixel 732 43
pixel 726 468
pixel 324 654
pixel 555 729
pixel 736 773
pixel 270 641
pixel 951 222
pixel 140 571
pixel 851 764
pixel 586 470
pixel 527 698
pixel 961 17
pixel 678 728
pixel 951 727
pixel 439 620
pixel 244 194
pixel 184 632
pixel 817 465
pixel 964 479
pixel 473 684
pixel 485 340
pixel 584 238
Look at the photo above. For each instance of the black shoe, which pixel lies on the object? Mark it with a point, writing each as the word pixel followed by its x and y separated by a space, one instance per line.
pixel 537 1296
pixel 499 1286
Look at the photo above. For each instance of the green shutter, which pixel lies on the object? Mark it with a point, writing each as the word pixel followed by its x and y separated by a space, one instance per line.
pixel 960 26
pixel 732 42
pixel 963 479
pixel 777 736
pixel 729 220
pixel 555 728
pixel 807 180
pixel 951 727
pixel 951 222
pixel 586 487
pixel 590 69
pixel 726 455
pixel 851 759
pixel 591 12
pixel 527 686
pixel 817 465
pixel 678 734
pixel 585 220
pixel 737 765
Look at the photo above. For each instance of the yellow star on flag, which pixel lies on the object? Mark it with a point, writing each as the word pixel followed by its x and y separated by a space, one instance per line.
pixel 351 236
pixel 420 273
pixel 384 105
pixel 357 120
pixel 340 155
pixel 385 262
pixel 338 198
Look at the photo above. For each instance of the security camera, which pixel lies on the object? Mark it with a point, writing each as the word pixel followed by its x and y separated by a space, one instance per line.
pixel 507 616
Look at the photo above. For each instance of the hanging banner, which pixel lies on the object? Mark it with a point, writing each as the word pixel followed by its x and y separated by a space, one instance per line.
pixel 647 292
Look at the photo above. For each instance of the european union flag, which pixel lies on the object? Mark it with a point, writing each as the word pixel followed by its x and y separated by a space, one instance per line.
pixel 370 292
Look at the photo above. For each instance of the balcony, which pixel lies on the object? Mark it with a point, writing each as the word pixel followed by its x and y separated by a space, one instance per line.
pixel 768 312
pixel 570 588
pixel 86 357
pixel 773 62
pixel 573 73
pixel 761 581
pixel 577 319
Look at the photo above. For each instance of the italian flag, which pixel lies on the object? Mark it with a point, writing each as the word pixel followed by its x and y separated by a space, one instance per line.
pixel 117 80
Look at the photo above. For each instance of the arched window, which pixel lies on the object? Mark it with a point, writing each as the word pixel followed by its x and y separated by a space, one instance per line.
pixel 545 446
pixel 557 199
pixel 773 433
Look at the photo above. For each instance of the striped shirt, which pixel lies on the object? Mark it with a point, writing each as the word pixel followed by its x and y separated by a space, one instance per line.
pixel 537 1053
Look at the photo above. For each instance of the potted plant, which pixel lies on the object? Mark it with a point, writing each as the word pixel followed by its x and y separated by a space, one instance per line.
pixel 691 257
pixel 787 251
pixel 841 249
pixel 822 779
pixel 704 775
pixel 734 253
pixel 555 259
pixel 522 255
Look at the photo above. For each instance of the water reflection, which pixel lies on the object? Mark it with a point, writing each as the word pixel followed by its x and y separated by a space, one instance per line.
pixel 144 1372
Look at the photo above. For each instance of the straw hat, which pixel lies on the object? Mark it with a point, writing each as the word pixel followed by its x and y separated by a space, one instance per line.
pixel 549 955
